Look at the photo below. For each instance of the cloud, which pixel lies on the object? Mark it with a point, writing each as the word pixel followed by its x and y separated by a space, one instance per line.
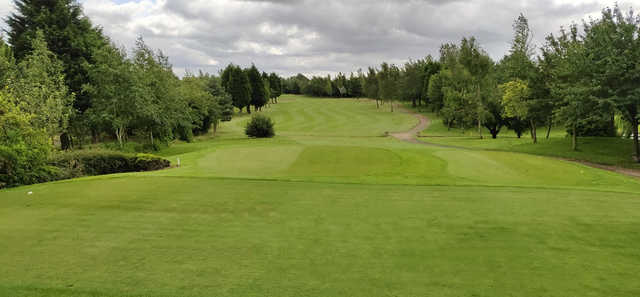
pixel 328 36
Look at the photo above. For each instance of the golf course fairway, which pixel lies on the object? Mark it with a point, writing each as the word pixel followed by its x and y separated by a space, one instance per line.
pixel 332 206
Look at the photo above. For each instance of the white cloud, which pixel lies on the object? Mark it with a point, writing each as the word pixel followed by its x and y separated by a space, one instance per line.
pixel 321 37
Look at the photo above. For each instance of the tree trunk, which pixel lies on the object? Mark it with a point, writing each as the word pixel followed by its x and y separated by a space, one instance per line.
pixel 151 134
pixel 215 127
pixel 534 132
pixel 391 106
pixel 94 136
pixel 494 131
pixel 413 103
pixel 479 111
pixel 120 136
pixel 248 109
pixel 549 128
pixel 377 104
pixel 65 141
pixel 574 138
pixel 519 133
pixel 636 142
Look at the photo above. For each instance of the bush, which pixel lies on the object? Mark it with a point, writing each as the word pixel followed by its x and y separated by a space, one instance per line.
pixel 260 126
pixel 127 147
pixel 184 133
pixel 149 162
pixel 23 148
pixel 82 163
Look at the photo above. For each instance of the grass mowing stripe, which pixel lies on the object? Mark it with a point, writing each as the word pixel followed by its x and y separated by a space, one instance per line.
pixel 318 215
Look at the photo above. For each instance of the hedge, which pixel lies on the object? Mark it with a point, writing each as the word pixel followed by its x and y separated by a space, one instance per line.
pixel 87 163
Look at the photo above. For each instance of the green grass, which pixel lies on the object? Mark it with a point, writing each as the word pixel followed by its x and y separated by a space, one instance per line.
pixel 601 150
pixel 326 209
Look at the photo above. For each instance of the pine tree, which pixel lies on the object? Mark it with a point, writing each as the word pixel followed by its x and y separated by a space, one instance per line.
pixel 355 85
pixel 258 96
pixel 239 87
pixel 275 83
pixel 68 33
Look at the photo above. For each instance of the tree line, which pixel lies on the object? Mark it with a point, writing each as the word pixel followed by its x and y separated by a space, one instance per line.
pixel 65 84
pixel 248 87
pixel 585 78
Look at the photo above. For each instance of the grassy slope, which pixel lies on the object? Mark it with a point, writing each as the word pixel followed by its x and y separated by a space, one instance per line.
pixel 314 213
pixel 608 151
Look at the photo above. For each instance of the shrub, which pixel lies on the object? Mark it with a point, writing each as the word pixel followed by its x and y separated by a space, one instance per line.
pixel 149 162
pixel 127 147
pixel 23 148
pixel 81 163
pixel 184 133
pixel 260 126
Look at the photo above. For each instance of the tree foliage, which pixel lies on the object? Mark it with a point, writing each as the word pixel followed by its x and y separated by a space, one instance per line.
pixel 258 91
pixel 612 44
pixel 237 83
pixel 68 33
pixel 24 149
pixel 260 126
pixel 39 86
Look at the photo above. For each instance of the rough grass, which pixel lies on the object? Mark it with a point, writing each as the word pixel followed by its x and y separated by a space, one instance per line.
pixel 319 211
pixel 601 150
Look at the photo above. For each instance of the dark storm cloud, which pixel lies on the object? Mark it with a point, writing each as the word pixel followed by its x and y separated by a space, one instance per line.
pixel 323 36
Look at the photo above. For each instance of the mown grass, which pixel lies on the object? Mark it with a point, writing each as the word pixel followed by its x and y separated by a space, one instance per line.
pixel 330 210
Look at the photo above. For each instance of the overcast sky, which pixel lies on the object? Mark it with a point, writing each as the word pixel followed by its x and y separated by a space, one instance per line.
pixel 322 36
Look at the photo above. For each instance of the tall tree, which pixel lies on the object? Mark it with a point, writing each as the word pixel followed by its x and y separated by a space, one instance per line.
pixel 116 99
pixel 267 87
pixel 570 82
pixel 467 84
pixel 431 68
pixel 355 85
pixel 515 100
pixel 202 108
pixel 162 108
pixel 239 87
pixel 613 46
pixel 412 81
pixel 258 96
pixel 7 64
pixel 275 83
pixel 68 33
pixel 224 99
pixel 520 67
pixel 435 93
pixel 39 85
pixel 389 82
pixel 371 88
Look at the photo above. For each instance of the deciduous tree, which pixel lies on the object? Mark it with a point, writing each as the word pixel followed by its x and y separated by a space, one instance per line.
pixel 40 87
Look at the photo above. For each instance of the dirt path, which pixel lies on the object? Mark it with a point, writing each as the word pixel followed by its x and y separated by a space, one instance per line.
pixel 626 171
pixel 412 137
